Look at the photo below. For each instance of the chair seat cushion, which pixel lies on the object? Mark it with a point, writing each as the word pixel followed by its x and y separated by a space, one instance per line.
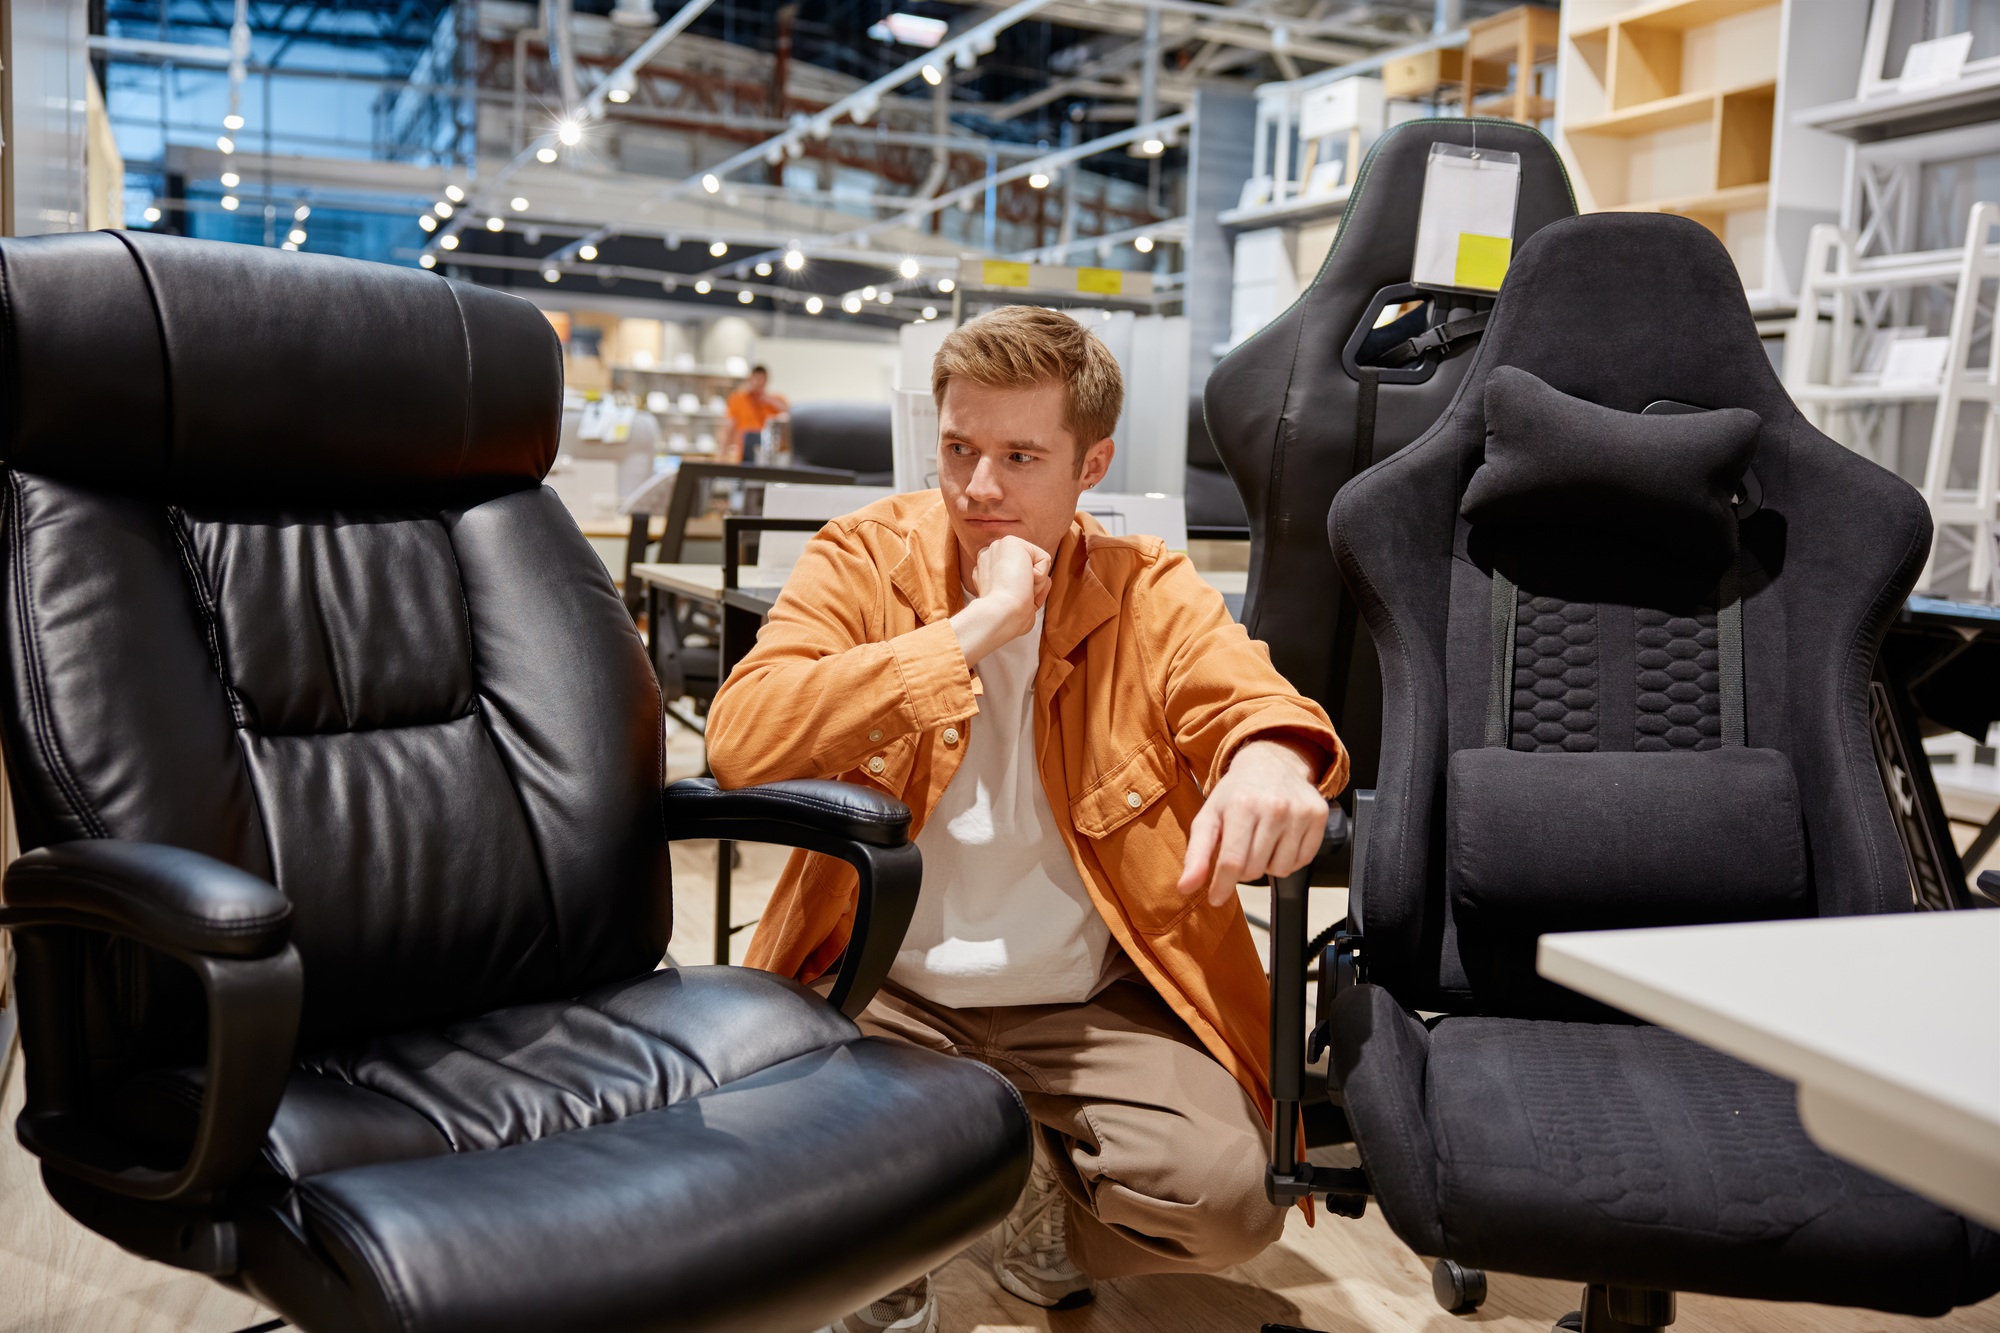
pixel 1624 1153
pixel 849 1169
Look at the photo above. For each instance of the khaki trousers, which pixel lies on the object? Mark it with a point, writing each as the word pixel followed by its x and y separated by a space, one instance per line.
pixel 1159 1150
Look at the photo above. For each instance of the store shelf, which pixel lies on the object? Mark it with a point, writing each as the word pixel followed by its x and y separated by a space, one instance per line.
pixel 1736 200
pixel 1667 113
pixel 1289 213
pixel 1672 16
pixel 1967 101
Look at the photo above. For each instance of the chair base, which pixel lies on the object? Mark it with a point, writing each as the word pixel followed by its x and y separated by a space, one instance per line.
pixel 1620 1310
pixel 1460 1290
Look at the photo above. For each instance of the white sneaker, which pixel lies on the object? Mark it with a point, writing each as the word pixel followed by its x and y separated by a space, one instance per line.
pixel 911 1309
pixel 1031 1248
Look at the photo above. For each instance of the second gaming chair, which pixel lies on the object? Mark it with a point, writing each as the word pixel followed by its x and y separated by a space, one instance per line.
pixel 1626 602
pixel 1320 393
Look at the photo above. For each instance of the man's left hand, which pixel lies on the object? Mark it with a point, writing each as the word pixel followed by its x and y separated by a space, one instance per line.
pixel 1264 817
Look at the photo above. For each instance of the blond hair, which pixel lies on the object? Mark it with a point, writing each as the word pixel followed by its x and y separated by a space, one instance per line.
pixel 1021 346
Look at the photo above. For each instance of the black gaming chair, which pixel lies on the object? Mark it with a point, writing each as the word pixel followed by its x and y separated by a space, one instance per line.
pixel 1320 393
pixel 1626 601
pixel 342 764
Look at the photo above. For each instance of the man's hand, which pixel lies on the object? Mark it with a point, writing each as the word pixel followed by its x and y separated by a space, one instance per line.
pixel 1010 581
pixel 1264 818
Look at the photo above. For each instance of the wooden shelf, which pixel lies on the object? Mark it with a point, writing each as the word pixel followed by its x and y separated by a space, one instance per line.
pixel 1662 114
pixel 1734 200
pixel 1673 16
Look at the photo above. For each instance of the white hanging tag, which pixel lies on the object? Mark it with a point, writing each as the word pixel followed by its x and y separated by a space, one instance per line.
pixel 1465 225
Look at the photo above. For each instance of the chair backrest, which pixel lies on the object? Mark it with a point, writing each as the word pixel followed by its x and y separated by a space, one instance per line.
pixel 1625 681
pixel 853 437
pixel 1282 407
pixel 283 587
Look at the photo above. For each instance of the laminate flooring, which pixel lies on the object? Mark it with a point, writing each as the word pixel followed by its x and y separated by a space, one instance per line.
pixel 1341 1276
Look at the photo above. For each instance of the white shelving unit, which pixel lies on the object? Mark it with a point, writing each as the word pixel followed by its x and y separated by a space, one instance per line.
pixel 1689 107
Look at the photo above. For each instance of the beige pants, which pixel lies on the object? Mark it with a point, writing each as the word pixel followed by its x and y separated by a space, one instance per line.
pixel 1160 1151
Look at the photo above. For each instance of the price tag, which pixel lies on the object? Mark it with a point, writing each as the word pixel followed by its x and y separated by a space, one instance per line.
pixel 1465 225
pixel 1939 61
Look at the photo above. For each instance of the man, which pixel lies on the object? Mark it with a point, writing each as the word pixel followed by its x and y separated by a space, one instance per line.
pixel 750 409
pixel 1051 703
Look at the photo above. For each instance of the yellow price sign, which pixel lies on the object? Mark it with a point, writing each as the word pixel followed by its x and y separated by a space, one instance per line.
pixel 1100 281
pixel 1482 260
pixel 1004 273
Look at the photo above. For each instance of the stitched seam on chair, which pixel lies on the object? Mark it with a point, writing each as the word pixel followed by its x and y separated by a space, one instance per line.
pixel 159 327
pixel 211 618
pixel 335 1218
pixel 465 332
pixel 45 737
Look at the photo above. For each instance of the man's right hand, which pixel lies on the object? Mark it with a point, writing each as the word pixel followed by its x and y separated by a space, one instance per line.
pixel 1010 581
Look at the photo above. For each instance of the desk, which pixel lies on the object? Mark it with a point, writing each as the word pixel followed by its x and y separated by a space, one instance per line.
pixel 1889 1025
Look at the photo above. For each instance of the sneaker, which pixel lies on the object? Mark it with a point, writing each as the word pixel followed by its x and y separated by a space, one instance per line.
pixel 1031 1249
pixel 911 1309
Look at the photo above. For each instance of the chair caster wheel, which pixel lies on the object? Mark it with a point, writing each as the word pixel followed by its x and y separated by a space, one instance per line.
pixel 1571 1322
pixel 1460 1290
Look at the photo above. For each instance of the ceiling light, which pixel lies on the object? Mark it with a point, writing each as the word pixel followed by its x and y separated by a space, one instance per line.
pixel 669 284
pixel 496 224
pixel 586 252
pixel 230 180
pixel 289 245
pixel 930 312
pixel 232 122
pixel 453 193
pixel 570 131
pixel 297 236
pixel 867 293
pixel 933 76
pixel 885 297
pixel 850 303
pixel 301 213
pixel 814 305
pixel 152 214
pixel 427 261
pixel 1039 181
pixel 1152 148
pixel 545 155
pixel 718 248
pixel 448 241
pixel 764 269
pixel 427 222
pixel 711 183
pixel 519 204
pixel 946 285
pixel 795 260
pixel 225 143
pixel 704 287
pixel 909 268
pixel 1143 244
pixel 910 30
pixel 441 208
pixel 230 201
pixel 745 297
pixel 551 275
pixel 619 94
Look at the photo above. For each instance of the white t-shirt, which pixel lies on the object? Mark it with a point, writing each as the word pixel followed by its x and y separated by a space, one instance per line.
pixel 1003 917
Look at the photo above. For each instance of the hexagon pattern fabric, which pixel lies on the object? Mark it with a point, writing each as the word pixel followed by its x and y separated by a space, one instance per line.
pixel 1680 692
pixel 1559 662
pixel 1555 675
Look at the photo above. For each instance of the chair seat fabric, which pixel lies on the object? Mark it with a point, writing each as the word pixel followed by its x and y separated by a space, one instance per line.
pixel 1621 1153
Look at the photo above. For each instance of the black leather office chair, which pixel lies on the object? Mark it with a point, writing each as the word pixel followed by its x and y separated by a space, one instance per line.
pixel 854 438
pixel 1320 393
pixel 341 762
pixel 1625 659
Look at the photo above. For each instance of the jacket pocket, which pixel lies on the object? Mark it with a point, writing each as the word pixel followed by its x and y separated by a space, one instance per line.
pixel 1131 788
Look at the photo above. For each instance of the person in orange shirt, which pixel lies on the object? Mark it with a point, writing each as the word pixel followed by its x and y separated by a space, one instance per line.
pixel 1095 755
pixel 751 408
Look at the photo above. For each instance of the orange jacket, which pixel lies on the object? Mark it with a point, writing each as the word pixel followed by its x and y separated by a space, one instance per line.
pixel 1146 689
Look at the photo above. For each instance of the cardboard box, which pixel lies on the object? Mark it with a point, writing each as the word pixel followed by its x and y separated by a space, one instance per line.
pixel 1421 75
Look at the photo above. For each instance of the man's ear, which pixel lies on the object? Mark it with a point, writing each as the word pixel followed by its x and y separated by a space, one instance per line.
pixel 1096 462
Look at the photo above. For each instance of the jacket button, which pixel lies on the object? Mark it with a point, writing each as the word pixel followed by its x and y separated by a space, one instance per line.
pixel 1132 799
pixel 876 765
pixel 875 735
pixel 951 735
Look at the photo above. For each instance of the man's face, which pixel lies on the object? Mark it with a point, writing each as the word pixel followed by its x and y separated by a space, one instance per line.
pixel 758 379
pixel 1007 465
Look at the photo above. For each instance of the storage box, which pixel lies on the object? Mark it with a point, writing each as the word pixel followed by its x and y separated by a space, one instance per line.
pixel 1424 73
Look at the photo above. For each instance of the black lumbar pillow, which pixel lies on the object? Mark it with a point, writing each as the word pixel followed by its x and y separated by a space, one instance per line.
pixel 1665 482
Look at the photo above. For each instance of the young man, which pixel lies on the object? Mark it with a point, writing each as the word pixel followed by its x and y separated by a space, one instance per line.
pixel 1052 703
pixel 750 409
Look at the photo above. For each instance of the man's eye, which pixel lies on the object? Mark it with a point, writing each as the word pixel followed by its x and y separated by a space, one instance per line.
pixel 1020 458
pixel 960 450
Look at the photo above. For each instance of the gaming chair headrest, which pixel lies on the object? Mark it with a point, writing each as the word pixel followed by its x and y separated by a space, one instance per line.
pixel 157 365
pixel 1664 483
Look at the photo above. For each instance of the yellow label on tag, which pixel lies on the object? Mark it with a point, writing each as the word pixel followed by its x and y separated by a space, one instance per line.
pixel 1102 281
pixel 1482 260
pixel 1004 273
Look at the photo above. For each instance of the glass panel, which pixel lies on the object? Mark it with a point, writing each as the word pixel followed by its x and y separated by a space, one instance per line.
pixel 1915 21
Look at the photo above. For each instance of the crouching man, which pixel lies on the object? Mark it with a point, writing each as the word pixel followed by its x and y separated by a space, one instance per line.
pixel 1094 755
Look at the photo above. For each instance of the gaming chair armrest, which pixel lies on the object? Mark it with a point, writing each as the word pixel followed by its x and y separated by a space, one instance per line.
pixel 228 927
pixel 863 827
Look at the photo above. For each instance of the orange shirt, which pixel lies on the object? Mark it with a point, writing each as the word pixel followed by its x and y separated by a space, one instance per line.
pixel 1146 689
pixel 748 411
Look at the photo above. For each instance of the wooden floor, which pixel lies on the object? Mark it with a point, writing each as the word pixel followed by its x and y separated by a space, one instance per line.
pixel 1341 1276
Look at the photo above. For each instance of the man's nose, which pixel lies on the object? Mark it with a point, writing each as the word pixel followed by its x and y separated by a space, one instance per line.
pixel 985 483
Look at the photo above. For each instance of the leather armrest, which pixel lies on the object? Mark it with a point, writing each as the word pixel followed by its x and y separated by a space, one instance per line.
pixel 228 927
pixel 169 897
pixel 860 826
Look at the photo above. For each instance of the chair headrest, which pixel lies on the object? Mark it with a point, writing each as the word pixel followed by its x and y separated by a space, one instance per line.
pixel 160 365
pixel 1666 483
